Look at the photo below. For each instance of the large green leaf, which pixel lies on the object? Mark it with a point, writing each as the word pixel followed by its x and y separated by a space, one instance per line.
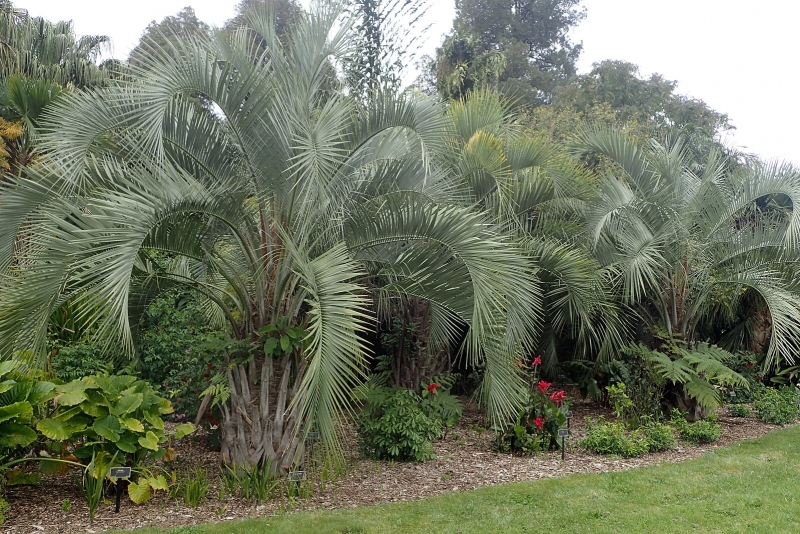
pixel 71 393
pixel 16 435
pixel 108 427
pixel 183 430
pixel 139 491
pixel 133 424
pixel 149 441
pixel 21 411
pixel 127 404
pixel 54 429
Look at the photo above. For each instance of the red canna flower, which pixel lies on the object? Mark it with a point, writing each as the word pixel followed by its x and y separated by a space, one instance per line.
pixel 432 388
pixel 558 397
pixel 537 361
pixel 543 386
pixel 539 422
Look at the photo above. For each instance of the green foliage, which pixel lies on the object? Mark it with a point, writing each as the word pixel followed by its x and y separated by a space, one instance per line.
pixel 21 396
pixel 254 484
pixel 93 481
pixel 659 436
pixel 698 370
pixel 604 437
pixel 110 416
pixel 613 438
pixel 739 410
pixel 698 432
pixel 180 350
pixel 79 359
pixel 537 424
pixel 280 339
pixel 3 510
pixel 778 406
pixel 393 426
pixel 438 403
pixel 195 488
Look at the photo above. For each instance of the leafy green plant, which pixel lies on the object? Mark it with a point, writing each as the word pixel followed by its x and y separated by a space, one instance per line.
pixel 439 404
pixel 92 483
pixel 778 406
pixel 537 423
pixel 118 415
pixel 696 370
pixel 659 436
pixel 254 484
pixel 603 437
pixel 704 431
pixel 739 410
pixel 195 488
pixel 78 359
pixel 20 396
pixel 393 426
pixel 3 510
pixel 180 350
pixel 66 505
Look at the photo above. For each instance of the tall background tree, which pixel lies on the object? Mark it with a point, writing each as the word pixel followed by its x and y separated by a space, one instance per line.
pixel 531 35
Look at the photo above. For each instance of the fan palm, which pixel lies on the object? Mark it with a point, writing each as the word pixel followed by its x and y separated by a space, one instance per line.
pixel 48 50
pixel 538 195
pixel 688 242
pixel 282 200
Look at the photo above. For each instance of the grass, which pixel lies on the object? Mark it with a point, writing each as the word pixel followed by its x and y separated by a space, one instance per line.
pixel 753 486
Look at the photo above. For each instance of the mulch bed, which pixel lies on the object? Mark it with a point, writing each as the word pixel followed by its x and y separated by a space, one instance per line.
pixel 464 461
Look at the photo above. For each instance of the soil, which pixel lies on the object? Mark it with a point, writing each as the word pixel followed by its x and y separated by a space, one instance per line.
pixel 464 461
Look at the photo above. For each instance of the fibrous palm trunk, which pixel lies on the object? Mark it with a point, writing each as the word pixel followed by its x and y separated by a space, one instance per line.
pixel 258 428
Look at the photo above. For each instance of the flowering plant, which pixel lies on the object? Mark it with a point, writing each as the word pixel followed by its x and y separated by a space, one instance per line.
pixel 537 424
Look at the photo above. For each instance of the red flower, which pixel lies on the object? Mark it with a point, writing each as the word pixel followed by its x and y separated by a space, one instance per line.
pixel 543 386
pixel 748 364
pixel 539 422
pixel 432 388
pixel 537 361
pixel 558 397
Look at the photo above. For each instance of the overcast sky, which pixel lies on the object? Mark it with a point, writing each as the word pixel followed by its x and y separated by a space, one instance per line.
pixel 739 56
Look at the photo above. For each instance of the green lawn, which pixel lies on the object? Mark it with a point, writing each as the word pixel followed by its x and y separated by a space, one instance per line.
pixel 750 487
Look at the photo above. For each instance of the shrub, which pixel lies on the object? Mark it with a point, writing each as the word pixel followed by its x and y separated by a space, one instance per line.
pixel 78 359
pixel 439 404
pixel 179 350
pixel 659 436
pixel 704 431
pixel 604 437
pixel 777 406
pixel 739 410
pixel 22 396
pixel 537 423
pixel 392 426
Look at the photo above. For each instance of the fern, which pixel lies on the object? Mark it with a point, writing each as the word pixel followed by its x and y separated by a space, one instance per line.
pixel 698 370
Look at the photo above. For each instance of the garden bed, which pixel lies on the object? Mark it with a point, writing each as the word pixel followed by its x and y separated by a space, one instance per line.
pixel 464 461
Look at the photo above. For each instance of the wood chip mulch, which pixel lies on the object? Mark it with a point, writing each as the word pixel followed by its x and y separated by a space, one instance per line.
pixel 464 461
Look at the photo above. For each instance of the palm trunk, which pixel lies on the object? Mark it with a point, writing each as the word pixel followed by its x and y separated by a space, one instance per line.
pixel 257 429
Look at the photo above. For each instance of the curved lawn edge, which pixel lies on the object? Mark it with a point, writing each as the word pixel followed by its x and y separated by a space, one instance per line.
pixel 750 486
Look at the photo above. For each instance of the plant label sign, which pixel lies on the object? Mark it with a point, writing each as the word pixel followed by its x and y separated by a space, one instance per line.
pixel 312 436
pixel 563 433
pixel 297 476
pixel 732 393
pixel 120 472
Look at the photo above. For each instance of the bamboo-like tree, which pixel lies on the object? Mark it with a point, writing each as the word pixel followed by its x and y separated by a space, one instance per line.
pixel 283 199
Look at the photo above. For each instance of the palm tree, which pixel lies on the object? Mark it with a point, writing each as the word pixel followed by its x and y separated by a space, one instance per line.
pixel 688 243
pixel 286 198
pixel 41 49
pixel 538 195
